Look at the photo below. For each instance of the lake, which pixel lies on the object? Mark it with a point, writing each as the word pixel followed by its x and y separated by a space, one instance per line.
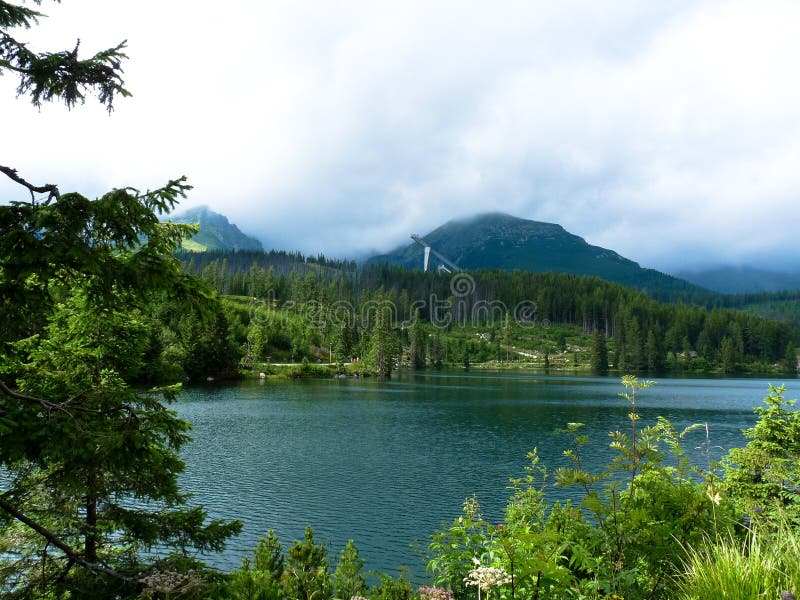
pixel 385 463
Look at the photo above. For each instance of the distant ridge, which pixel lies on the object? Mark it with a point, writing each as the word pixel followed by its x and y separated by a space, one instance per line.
pixel 216 232
pixel 743 280
pixel 501 241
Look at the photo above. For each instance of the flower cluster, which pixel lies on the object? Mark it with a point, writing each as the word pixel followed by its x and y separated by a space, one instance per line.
pixel 486 577
pixel 434 593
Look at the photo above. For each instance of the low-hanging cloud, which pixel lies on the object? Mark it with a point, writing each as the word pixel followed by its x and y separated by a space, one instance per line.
pixel 666 131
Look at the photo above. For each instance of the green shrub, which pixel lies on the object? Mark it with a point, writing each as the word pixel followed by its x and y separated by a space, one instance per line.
pixel 306 574
pixel 392 589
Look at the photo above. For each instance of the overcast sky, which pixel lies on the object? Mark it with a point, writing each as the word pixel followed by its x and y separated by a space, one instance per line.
pixel 666 130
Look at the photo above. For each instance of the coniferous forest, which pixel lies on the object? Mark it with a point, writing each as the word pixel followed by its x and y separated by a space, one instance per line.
pixel 328 305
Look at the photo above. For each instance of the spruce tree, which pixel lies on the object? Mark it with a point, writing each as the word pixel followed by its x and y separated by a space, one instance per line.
pixel 763 478
pixel 90 462
pixel 348 579
pixel 599 353
pixel 418 343
pixel 790 358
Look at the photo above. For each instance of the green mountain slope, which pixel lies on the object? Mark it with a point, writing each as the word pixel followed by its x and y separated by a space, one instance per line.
pixel 216 232
pixel 501 241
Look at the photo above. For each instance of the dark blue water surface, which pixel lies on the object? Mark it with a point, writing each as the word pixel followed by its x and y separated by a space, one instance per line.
pixel 385 463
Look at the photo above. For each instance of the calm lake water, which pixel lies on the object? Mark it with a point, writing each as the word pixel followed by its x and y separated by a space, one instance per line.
pixel 385 463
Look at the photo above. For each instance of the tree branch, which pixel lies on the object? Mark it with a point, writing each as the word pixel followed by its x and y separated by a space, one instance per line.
pixel 50 189
pixel 73 556
pixel 132 412
pixel 46 404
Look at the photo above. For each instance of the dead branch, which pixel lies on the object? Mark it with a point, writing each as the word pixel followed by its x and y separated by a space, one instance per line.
pixel 50 189
pixel 45 404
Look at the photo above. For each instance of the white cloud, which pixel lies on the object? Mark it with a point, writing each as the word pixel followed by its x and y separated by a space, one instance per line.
pixel 666 131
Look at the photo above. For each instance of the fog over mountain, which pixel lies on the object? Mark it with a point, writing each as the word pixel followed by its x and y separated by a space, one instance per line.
pixel 742 279
pixel 664 130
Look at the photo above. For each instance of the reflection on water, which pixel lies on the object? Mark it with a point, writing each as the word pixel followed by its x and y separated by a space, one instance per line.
pixel 386 463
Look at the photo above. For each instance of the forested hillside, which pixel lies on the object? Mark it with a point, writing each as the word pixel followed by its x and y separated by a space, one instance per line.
pixel 501 241
pixel 326 306
pixel 216 232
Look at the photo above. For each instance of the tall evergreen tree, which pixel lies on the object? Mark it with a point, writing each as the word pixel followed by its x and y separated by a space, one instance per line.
pixel 653 352
pixel 620 355
pixel 437 351
pixel 790 358
pixel 418 343
pixel 382 345
pixel 507 334
pixel 634 345
pixel 728 355
pixel 78 441
pixel 599 359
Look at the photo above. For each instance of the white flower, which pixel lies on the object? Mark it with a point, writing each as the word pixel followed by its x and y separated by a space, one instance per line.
pixel 487 577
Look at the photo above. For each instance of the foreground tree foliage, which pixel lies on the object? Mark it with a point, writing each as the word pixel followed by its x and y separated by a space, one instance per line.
pixel 763 478
pixel 90 464
pixel 47 76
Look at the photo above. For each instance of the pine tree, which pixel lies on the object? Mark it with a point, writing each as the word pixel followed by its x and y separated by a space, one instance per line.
pixel 348 579
pixel 653 352
pixel 261 578
pixel 307 576
pixel 634 345
pixel 620 354
pixel 599 360
pixel 728 353
pixel 507 335
pixel 790 358
pixel 437 350
pixel 763 478
pixel 382 344
pixel 418 343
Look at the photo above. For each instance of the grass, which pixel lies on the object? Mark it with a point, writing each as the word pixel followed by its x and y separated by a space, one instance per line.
pixel 761 566
pixel 192 246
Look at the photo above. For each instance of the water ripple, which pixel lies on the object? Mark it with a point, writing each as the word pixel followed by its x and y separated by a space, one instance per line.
pixel 386 463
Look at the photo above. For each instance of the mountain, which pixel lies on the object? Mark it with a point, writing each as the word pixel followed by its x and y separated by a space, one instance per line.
pixel 742 280
pixel 216 232
pixel 501 241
